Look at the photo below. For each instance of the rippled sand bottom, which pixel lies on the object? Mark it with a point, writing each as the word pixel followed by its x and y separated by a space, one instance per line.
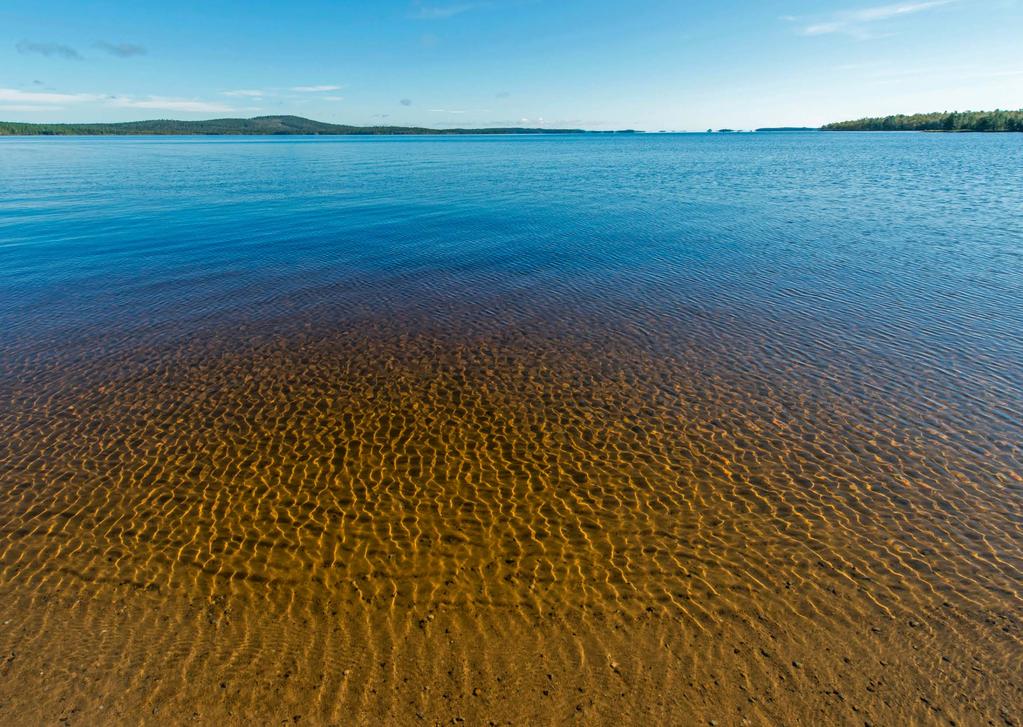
pixel 628 521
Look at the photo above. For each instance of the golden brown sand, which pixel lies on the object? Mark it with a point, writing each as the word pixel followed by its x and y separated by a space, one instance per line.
pixel 405 524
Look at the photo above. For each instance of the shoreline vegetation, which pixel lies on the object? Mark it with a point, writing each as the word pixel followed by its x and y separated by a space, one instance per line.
pixel 945 121
pixel 258 126
pixel 997 120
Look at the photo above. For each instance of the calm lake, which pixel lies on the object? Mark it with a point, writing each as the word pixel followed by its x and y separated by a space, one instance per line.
pixel 715 425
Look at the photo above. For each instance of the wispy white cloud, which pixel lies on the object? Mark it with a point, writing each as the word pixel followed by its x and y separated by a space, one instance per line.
pixel 315 89
pixel 172 104
pixel 855 22
pixel 245 93
pixel 42 98
pixel 13 99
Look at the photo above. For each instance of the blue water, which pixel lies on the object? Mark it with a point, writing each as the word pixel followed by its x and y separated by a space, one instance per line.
pixel 923 232
pixel 340 383
pixel 906 245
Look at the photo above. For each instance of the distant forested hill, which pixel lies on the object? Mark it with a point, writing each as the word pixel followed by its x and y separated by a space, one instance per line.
pixel 258 125
pixel 939 121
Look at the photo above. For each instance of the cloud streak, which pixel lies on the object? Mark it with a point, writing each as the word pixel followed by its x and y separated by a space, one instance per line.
pixel 854 22
pixel 37 98
pixel 12 99
pixel 50 50
pixel 121 50
pixel 315 89
pixel 172 104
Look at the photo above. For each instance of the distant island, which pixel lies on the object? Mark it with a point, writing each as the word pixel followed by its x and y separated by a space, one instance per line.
pixel 260 125
pixel 997 120
pixel 788 128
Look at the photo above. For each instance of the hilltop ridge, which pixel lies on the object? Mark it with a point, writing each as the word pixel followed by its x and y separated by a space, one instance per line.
pixel 259 125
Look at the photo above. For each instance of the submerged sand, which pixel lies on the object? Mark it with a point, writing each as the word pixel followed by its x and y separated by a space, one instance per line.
pixel 545 521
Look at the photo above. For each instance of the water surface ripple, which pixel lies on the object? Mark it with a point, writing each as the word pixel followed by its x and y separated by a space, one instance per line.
pixel 652 429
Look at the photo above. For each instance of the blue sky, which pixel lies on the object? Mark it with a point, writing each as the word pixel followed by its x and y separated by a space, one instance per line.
pixel 646 64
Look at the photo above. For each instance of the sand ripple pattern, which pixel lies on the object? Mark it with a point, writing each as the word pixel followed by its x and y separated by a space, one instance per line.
pixel 541 475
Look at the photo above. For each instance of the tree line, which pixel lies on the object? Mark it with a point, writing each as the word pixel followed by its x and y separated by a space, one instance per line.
pixel 998 120
pixel 268 125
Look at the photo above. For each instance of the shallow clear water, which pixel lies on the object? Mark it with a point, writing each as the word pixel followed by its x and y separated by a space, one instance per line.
pixel 305 396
